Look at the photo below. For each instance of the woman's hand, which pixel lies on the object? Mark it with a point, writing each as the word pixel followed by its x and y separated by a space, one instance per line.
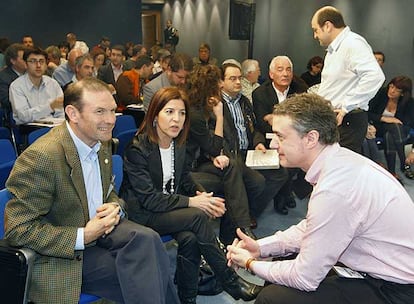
pixel 213 206
pixel 217 106
pixel 221 161
pixel 388 119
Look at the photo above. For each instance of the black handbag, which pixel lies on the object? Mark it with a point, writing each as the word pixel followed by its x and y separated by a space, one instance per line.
pixel 208 285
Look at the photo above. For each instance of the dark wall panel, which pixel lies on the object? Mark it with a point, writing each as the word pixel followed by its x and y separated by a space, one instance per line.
pixel 48 21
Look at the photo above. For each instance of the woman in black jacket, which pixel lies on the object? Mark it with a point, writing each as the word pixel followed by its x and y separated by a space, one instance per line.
pixel 160 194
pixel 391 111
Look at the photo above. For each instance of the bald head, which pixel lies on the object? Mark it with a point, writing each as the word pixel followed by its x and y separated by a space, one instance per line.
pixel 73 54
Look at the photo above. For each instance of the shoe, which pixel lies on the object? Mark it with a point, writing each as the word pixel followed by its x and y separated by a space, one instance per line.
pixel 290 201
pixel 248 231
pixel 253 222
pixel 279 204
pixel 408 173
pixel 240 289
pixel 282 210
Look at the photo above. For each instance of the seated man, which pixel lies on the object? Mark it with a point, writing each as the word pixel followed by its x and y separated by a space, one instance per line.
pixel 358 215
pixel 63 74
pixel 16 66
pixel 34 96
pixel 137 51
pixel 83 68
pixel 65 208
pixel 130 83
pixel 204 56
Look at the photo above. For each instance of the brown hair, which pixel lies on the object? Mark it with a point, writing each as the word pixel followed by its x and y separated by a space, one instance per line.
pixel 204 83
pixel 158 102
pixel 331 14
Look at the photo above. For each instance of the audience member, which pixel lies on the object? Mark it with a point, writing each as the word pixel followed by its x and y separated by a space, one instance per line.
pixel 313 75
pixel 83 69
pixel 64 49
pixel 34 96
pixel 109 73
pixel 171 37
pixel 176 74
pixel 98 57
pixel 380 57
pixel 358 215
pixel 250 75
pixel 64 207
pixel 16 66
pixel 105 43
pixel 282 84
pixel 241 134
pixel 27 41
pixel 214 170
pixel 204 56
pixel 232 61
pixel 350 77
pixel 129 49
pixel 391 111
pixel 129 85
pixel 54 59
pixel 161 61
pixel 63 74
pixel 160 193
pixel 71 39
pixel 4 44
pixel 137 50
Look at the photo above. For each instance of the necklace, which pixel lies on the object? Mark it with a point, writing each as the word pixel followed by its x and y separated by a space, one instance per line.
pixel 164 190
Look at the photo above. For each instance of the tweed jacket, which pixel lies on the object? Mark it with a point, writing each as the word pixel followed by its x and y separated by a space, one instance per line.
pixel 48 205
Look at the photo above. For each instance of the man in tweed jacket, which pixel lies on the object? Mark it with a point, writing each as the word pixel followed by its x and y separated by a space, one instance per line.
pixel 82 243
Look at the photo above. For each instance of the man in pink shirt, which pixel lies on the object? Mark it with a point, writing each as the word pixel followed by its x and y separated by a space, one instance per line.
pixel 358 215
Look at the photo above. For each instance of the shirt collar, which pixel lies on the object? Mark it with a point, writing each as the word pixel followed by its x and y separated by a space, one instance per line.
pixel 338 40
pixel 228 98
pixel 312 176
pixel 83 149
pixel 30 84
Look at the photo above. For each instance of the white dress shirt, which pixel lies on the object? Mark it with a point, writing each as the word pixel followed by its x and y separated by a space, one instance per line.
pixel 351 76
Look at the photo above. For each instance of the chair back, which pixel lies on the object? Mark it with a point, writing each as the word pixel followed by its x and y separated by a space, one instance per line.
pixel 32 136
pixel 117 171
pixel 5 133
pixel 123 123
pixel 7 160
pixel 124 139
pixel 4 198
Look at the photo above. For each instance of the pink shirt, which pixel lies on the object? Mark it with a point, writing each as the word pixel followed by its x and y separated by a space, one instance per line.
pixel 358 214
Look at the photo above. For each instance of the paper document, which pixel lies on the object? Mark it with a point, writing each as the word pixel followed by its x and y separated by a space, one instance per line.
pixel 258 160
pixel 47 122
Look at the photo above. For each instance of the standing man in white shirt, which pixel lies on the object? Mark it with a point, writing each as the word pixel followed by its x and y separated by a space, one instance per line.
pixel 351 75
pixel 358 215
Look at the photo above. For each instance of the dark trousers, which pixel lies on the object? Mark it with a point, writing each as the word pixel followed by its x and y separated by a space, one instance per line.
pixel 340 291
pixel 231 182
pixel 353 129
pixel 395 137
pixel 191 229
pixel 130 265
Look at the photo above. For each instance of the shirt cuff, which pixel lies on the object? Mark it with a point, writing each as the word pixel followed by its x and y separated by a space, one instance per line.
pixel 80 244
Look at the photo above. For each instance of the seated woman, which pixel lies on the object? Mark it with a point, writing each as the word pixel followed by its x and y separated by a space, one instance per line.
pixel 205 150
pixel 391 111
pixel 160 194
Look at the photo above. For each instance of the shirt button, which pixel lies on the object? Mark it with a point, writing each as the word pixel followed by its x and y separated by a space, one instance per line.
pixel 78 258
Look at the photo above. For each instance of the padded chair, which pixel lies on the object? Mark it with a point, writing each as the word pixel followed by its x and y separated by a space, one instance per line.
pixel 32 136
pixel 123 123
pixel 4 198
pixel 124 138
pixel 5 133
pixel 7 159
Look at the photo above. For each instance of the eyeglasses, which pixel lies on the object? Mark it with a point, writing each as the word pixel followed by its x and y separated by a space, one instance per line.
pixel 36 61
pixel 234 78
